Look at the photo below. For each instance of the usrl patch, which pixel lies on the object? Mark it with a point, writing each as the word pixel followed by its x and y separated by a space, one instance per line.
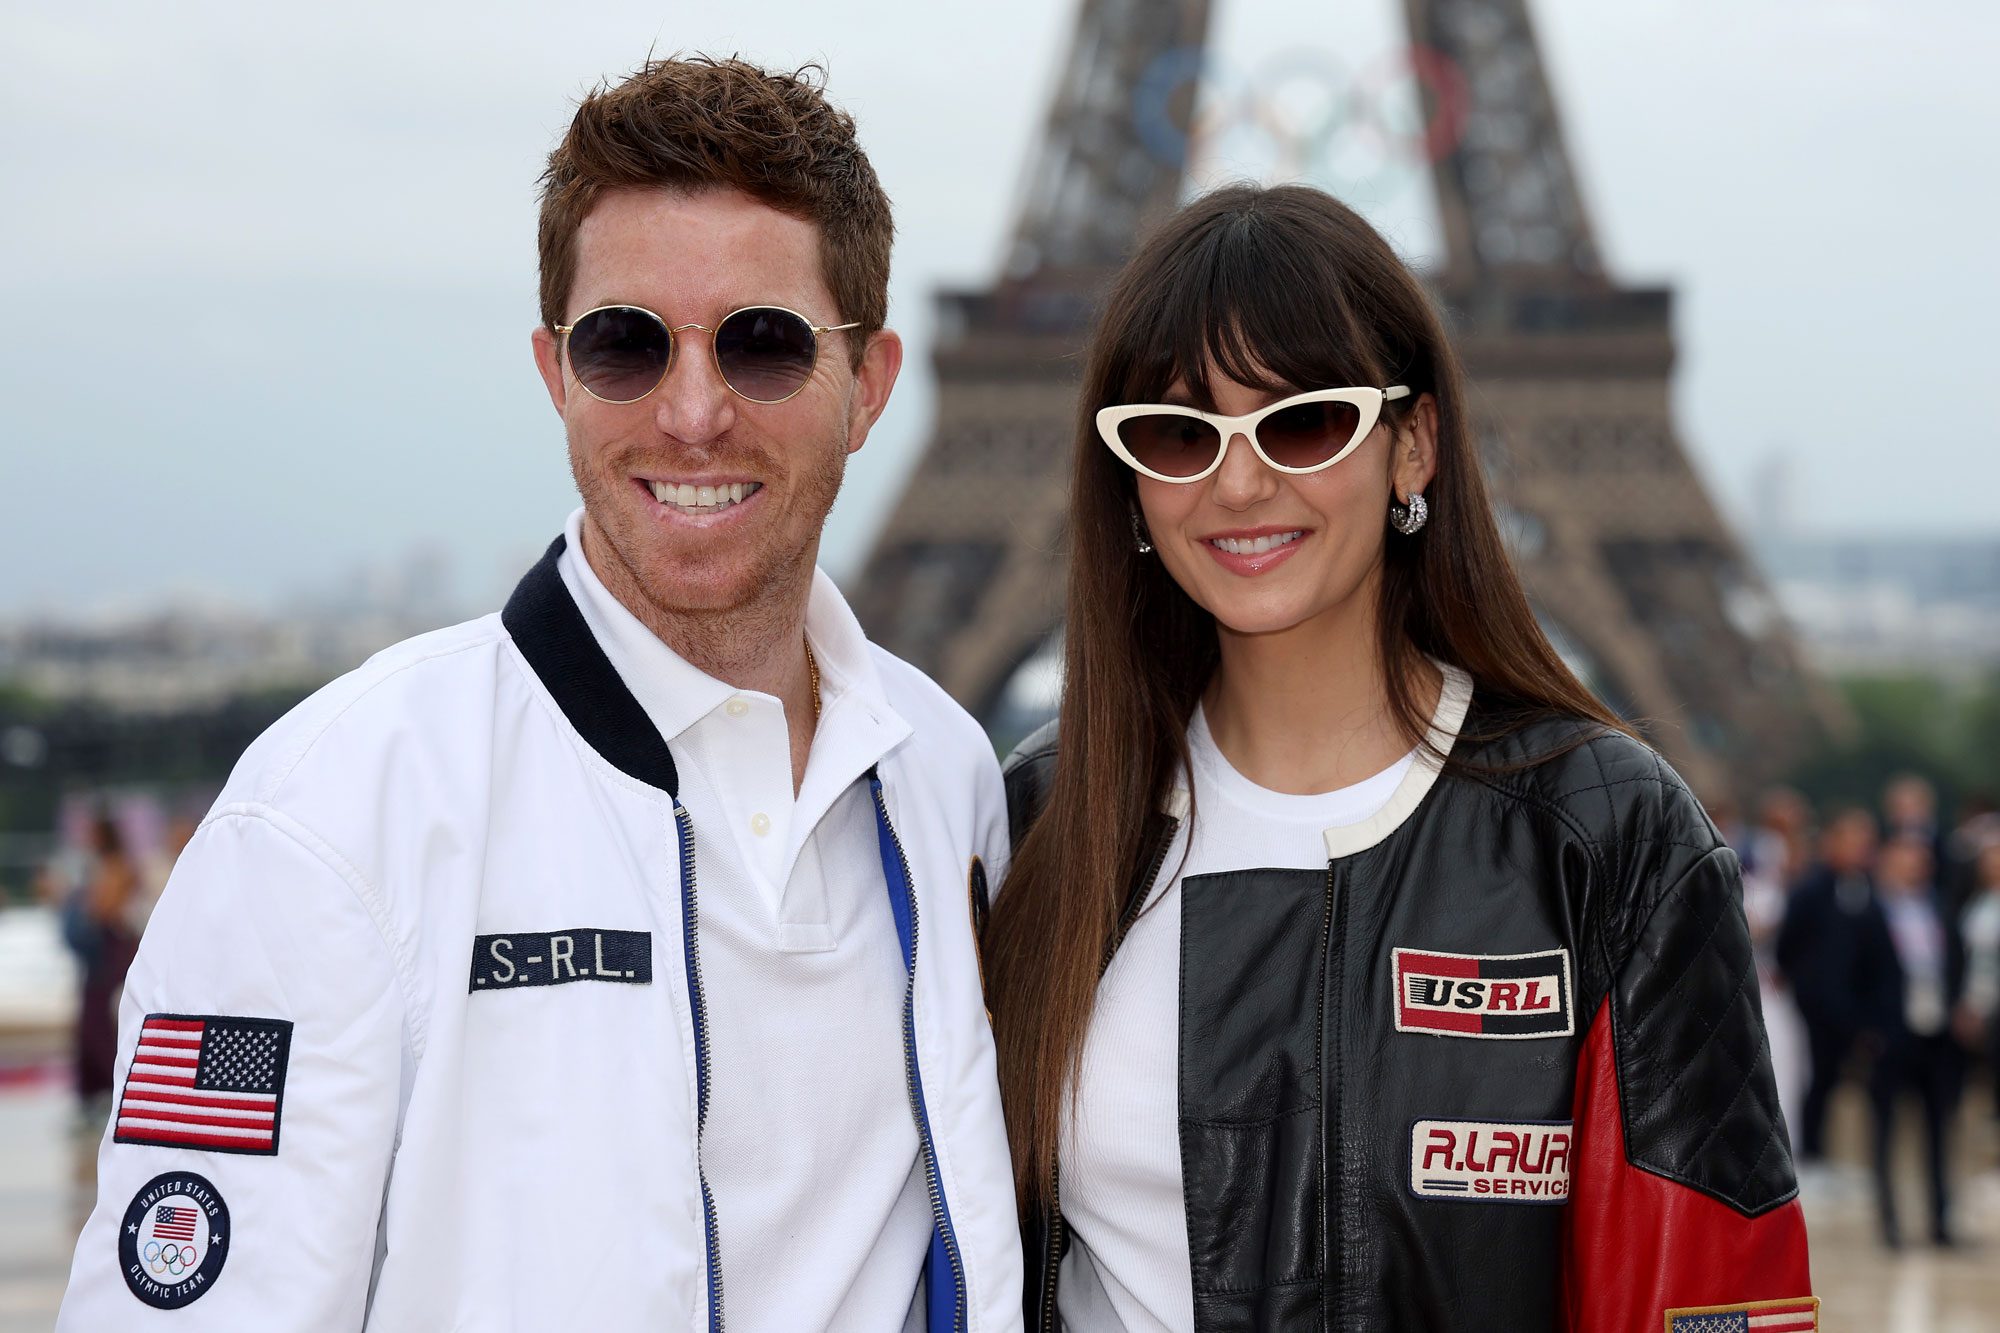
pixel 1796 1316
pixel 1491 1161
pixel 174 1239
pixel 209 1081
pixel 1502 996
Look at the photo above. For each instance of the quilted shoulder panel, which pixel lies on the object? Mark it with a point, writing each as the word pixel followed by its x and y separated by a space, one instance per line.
pixel 1699 1101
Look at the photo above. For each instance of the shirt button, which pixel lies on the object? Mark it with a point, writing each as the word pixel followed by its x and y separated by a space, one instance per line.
pixel 760 824
pixel 736 707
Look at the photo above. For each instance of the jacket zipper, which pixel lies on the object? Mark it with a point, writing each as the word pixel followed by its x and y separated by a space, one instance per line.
pixel 1332 941
pixel 698 1004
pixel 1134 902
pixel 932 1181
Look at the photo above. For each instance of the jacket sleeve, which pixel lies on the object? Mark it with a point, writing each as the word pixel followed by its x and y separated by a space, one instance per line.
pixel 261 1048
pixel 1683 1199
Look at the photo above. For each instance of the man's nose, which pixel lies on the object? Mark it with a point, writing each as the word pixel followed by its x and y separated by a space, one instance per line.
pixel 1243 479
pixel 692 404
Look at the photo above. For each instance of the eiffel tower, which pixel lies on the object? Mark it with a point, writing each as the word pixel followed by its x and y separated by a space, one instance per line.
pixel 1636 576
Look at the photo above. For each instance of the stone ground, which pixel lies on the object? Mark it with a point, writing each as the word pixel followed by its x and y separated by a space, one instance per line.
pixel 46 1165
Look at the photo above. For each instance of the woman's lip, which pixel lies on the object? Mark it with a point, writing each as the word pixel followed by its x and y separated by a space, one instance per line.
pixel 1249 566
pixel 1252 534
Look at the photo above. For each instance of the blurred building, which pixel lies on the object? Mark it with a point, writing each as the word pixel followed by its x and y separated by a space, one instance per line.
pixel 1876 604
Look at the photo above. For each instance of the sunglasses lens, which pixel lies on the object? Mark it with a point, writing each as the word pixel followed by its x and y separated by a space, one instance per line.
pixel 619 353
pixel 765 353
pixel 1307 434
pixel 1170 444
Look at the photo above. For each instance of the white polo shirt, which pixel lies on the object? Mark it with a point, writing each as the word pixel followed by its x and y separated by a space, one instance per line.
pixel 809 1147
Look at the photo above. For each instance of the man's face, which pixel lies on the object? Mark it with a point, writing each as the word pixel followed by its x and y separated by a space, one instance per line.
pixel 692 259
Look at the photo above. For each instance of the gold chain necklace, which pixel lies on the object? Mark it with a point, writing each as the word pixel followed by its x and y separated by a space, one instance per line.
pixel 812 665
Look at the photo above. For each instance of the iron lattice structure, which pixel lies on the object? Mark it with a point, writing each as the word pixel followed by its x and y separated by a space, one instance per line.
pixel 1625 555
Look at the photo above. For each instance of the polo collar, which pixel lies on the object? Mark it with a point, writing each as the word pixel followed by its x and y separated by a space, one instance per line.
pixel 553 636
pixel 589 651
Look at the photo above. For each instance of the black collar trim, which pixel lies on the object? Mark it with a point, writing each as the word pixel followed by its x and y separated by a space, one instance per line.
pixel 552 634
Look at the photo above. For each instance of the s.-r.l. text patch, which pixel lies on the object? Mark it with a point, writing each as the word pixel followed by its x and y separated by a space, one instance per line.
pixel 1504 996
pixel 557 957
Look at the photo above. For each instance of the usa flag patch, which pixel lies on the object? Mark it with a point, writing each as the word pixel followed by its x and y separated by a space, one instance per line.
pixel 1795 1316
pixel 210 1081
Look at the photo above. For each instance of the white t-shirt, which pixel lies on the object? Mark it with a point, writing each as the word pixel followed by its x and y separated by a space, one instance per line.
pixel 1127 1267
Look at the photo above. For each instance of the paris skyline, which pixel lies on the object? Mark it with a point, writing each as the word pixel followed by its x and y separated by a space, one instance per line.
pixel 276 282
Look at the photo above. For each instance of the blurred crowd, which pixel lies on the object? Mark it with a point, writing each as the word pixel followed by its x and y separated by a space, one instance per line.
pixel 1877 935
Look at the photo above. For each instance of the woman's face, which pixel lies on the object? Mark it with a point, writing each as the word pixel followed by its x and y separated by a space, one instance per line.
pixel 1332 523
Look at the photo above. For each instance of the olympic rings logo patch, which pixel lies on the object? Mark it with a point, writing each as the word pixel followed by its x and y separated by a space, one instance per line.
pixel 173 1240
pixel 170 1259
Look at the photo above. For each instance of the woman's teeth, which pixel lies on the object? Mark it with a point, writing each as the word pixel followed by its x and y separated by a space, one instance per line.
pixel 704 499
pixel 1254 545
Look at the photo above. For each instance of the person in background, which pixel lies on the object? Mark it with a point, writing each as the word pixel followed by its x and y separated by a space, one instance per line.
pixel 1780 846
pixel 1908 1001
pixel 1910 810
pixel 1772 851
pixel 99 919
pixel 1978 1016
pixel 1820 956
pixel 1958 873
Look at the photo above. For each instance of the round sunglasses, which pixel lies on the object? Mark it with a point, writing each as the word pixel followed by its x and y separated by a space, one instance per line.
pixel 765 353
pixel 1304 433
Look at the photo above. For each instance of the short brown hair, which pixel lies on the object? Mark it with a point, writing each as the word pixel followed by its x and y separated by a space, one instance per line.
pixel 700 123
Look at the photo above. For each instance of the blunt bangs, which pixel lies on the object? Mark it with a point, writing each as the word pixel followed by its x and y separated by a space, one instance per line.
pixel 1255 293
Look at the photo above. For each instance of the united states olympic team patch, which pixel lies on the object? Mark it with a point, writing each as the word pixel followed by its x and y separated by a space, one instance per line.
pixel 1507 996
pixel 174 1240
pixel 1794 1316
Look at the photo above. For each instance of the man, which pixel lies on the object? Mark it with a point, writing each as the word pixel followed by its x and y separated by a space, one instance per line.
pixel 605 963
pixel 1822 953
pixel 1920 979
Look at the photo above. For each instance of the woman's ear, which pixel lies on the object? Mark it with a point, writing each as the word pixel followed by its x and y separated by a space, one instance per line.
pixel 1415 457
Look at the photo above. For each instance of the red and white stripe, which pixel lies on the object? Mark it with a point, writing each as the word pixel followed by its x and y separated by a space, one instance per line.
pixel 1786 1317
pixel 162 1105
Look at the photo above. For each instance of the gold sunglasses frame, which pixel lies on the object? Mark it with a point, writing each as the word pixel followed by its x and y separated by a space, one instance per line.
pixel 673 345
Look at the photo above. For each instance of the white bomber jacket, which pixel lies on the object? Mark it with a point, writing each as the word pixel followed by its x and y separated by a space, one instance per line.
pixel 325 1120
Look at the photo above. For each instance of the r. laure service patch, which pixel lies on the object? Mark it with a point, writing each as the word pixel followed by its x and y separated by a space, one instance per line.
pixel 174 1240
pixel 1491 1161
pixel 1510 996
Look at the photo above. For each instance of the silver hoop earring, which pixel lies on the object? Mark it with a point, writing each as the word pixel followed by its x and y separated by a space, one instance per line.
pixel 1408 518
pixel 1139 541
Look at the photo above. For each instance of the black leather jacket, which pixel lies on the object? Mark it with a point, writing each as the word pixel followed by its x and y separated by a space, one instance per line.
pixel 1501 1065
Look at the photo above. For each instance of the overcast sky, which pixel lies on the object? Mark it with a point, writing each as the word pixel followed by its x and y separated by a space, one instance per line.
pixel 269 269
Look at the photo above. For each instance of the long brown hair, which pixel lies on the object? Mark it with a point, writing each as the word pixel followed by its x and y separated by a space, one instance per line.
pixel 1279 289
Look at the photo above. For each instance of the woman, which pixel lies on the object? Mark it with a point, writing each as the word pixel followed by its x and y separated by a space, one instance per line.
pixel 1343 920
pixel 105 903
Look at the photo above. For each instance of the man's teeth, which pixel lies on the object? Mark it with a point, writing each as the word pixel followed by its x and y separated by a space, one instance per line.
pixel 1255 545
pixel 704 499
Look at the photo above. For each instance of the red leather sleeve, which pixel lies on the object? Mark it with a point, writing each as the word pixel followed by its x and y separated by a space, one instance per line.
pixel 1637 1244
